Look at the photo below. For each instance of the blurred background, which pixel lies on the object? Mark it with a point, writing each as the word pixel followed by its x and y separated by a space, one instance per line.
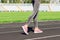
pixel 22 1
pixel 20 10
pixel 21 5
pixel 27 1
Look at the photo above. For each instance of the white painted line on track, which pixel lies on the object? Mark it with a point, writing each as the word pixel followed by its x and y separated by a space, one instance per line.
pixel 10 32
pixel 45 37
pixel 51 28
pixel 9 27
pixel 22 30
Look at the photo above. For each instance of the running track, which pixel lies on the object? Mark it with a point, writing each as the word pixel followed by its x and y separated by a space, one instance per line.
pixel 13 31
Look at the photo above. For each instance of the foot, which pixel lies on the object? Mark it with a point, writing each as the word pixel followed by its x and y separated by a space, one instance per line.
pixel 37 30
pixel 25 29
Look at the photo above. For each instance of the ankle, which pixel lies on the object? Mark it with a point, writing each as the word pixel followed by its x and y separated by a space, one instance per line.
pixel 36 28
pixel 26 25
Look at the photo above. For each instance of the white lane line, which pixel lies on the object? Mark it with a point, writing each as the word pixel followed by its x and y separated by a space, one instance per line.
pixel 45 37
pixel 10 32
pixel 22 30
pixel 51 28
pixel 42 28
pixel 9 27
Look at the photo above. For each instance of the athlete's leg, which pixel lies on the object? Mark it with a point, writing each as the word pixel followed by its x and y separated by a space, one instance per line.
pixel 36 30
pixel 33 3
pixel 35 17
pixel 35 10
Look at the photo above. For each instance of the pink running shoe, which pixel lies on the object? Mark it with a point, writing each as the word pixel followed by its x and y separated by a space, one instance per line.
pixel 38 31
pixel 25 30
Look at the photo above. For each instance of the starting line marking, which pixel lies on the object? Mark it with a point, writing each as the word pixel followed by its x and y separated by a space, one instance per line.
pixel 45 37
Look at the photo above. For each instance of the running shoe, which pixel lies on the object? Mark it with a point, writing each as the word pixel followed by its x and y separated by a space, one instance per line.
pixel 25 29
